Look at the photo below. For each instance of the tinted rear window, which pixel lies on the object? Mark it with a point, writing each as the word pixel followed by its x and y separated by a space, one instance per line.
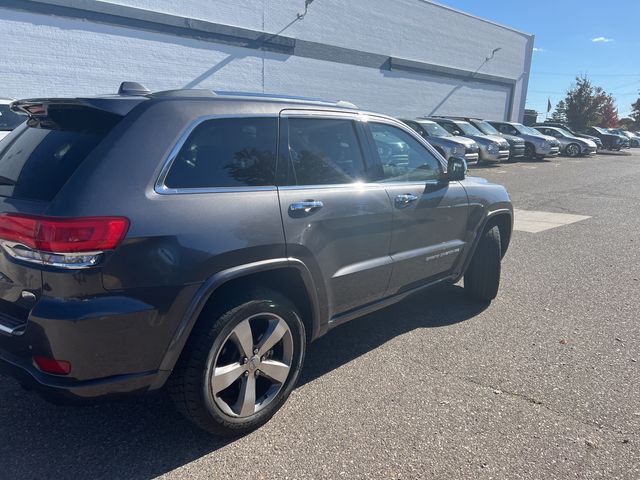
pixel 228 152
pixel 38 159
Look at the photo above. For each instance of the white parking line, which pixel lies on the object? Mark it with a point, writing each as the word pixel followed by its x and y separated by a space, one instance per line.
pixel 534 221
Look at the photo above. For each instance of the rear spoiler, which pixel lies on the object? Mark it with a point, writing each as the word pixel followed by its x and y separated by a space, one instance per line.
pixel 38 107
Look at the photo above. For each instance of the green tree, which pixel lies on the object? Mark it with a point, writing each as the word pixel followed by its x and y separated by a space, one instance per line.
pixel 583 104
pixel 635 112
pixel 560 113
pixel 607 111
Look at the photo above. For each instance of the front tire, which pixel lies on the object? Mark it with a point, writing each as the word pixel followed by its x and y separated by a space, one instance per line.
pixel 572 150
pixel 529 151
pixel 482 278
pixel 240 364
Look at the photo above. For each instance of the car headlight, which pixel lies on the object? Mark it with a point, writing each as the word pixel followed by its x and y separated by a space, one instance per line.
pixel 459 150
pixel 545 144
pixel 492 148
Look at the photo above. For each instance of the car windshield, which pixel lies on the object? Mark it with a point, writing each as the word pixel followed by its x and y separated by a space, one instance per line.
pixel 468 129
pixel 432 128
pixel 486 127
pixel 8 119
pixel 565 132
pixel 528 130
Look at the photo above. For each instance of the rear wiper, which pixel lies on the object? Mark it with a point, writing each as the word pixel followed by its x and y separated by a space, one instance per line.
pixel 6 181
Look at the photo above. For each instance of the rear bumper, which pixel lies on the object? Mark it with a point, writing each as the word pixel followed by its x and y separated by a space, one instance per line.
pixel 58 389
pixel 115 344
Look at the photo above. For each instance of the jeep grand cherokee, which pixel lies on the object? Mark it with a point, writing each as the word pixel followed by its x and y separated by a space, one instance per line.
pixel 201 240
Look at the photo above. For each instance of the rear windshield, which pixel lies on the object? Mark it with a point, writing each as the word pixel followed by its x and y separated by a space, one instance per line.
pixel 39 157
pixel 8 119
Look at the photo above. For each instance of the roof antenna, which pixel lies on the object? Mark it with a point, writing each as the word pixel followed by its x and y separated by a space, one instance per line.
pixel 133 88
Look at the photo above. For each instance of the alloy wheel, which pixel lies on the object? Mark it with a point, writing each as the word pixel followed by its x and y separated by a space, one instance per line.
pixel 251 365
pixel 573 150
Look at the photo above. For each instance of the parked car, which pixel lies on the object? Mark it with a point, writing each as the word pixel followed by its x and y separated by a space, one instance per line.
pixel 634 139
pixel 209 262
pixel 8 119
pixel 610 141
pixel 493 149
pixel 516 144
pixel 444 142
pixel 536 145
pixel 570 145
pixel 565 127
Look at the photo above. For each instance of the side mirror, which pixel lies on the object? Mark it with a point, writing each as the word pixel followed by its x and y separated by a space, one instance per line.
pixel 456 169
pixel 456 132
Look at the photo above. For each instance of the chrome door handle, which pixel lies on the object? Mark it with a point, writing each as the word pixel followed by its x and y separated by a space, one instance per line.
pixel 405 199
pixel 306 206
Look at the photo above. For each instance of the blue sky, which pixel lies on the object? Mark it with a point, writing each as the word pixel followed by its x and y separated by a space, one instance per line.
pixel 596 38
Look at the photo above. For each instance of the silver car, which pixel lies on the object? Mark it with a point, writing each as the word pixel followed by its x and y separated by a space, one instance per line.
pixel 570 145
pixel 493 148
pixel 536 145
pixel 634 138
pixel 445 143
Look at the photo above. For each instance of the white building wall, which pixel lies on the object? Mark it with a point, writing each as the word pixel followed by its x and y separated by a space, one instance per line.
pixel 47 55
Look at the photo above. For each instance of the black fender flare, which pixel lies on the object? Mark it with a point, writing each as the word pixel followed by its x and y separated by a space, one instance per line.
pixel 184 328
pixel 476 239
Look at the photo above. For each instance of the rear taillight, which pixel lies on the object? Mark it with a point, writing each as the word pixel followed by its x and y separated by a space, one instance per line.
pixel 63 242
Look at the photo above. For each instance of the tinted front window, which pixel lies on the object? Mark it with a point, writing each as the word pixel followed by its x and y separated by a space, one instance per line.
pixel 38 159
pixel 508 129
pixel 324 151
pixel 8 119
pixel 403 158
pixel 226 152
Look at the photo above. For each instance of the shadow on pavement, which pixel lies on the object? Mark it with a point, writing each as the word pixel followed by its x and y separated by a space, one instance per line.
pixel 146 437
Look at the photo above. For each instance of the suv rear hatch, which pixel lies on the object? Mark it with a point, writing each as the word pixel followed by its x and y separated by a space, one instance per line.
pixel 36 160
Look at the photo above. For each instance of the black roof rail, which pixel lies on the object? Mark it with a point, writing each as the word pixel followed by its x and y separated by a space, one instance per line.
pixel 184 92
pixel 294 98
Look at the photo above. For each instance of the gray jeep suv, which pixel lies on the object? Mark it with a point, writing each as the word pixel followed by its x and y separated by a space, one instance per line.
pixel 201 240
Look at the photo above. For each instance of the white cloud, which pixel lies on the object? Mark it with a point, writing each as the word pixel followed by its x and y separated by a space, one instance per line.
pixel 602 40
pixel 536 49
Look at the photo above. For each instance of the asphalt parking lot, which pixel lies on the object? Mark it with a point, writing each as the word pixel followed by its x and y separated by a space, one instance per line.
pixel 542 383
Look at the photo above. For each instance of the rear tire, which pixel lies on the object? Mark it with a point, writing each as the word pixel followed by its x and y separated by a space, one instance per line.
pixel 218 384
pixel 482 278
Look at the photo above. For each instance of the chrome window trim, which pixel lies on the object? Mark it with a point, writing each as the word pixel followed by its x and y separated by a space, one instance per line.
pixel 160 187
pixel 358 185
